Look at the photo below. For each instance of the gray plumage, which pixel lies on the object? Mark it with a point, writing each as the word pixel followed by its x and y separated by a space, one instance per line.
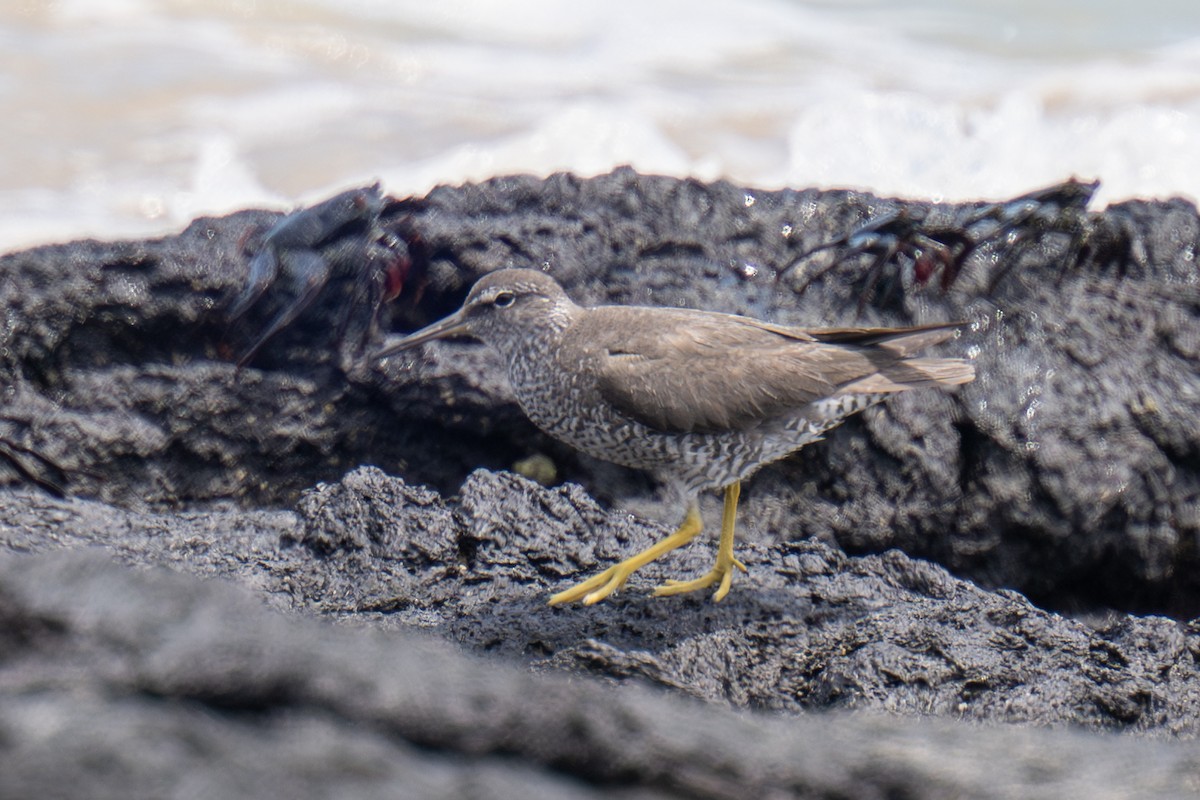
pixel 700 397
pixel 703 399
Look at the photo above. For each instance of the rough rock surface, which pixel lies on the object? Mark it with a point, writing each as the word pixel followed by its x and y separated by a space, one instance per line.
pixel 1069 472
pixel 155 684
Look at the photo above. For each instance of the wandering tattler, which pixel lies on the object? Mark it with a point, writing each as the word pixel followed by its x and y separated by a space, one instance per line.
pixel 702 399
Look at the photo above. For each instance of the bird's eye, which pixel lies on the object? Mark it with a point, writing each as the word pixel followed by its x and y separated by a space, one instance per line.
pixel 503 299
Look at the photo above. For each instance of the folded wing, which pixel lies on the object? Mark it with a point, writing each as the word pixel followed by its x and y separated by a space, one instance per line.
pixel 704 372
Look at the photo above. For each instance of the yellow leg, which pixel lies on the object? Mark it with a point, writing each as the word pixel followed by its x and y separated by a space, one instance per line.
pixel 596 588
pixel 722 571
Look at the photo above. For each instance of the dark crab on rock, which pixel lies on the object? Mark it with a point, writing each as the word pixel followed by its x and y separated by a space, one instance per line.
pixel 343 236
pixel 930 242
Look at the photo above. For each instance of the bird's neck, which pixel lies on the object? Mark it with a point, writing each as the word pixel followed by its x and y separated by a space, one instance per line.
pixel 532 359
pixel 542 340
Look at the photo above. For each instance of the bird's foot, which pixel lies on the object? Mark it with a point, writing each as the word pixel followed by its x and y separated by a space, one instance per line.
pixel 721 573
pixel 600 586
pixel 597 587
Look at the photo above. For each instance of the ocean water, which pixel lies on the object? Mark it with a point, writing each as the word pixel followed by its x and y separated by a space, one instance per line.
pixel 129 118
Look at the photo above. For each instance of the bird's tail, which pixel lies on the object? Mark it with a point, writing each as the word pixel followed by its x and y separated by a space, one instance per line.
pixel 914 373
pixel 903 342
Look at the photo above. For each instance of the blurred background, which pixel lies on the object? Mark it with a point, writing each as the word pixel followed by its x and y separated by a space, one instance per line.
pixel 129 118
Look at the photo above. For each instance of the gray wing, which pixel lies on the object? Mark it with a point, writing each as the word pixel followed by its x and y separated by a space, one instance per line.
pixel 682 371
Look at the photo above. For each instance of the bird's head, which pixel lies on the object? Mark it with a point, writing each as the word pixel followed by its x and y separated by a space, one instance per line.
pixel 505 309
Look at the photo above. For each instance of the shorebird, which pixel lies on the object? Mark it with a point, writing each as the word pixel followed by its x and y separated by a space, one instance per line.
pixel 702 399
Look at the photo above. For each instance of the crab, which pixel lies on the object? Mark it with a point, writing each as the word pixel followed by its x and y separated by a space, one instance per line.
pixel 932 244
pixel 901 232
pixel 306 248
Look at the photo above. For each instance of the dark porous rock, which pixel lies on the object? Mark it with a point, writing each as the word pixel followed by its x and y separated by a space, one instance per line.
pixel 808 628
pixel 122 683
pixel 944 560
